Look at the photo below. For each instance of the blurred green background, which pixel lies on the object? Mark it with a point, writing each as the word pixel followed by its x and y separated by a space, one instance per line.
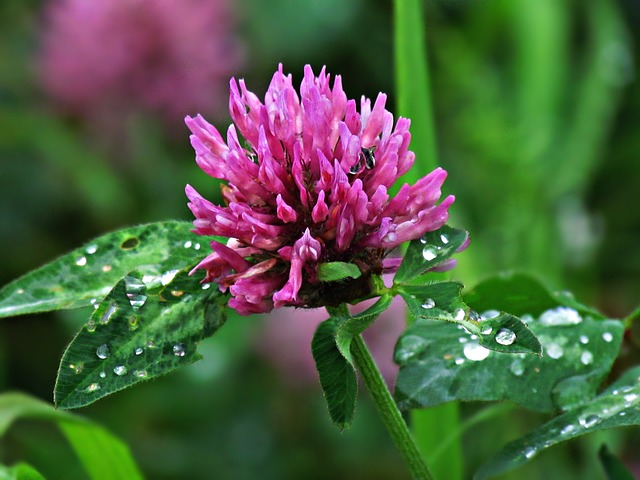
pixel 537 114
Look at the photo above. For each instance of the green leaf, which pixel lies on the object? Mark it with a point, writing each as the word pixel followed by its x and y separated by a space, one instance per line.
pixel 21 471
pixel 617 406
pixel 442 301
pixel 428 252
pixel 103 455
pixel 137 334
pixel 332 271
pixel 520 294
pixel 442 362
pixel 337 374
pixel 84 276
pixel 331 348
pixel 614 469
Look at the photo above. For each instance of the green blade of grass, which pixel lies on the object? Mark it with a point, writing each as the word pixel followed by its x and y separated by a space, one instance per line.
pixel 414 102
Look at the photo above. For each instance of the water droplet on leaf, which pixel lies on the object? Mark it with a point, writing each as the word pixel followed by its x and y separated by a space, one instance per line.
pixel 475 352
pixel 106 268
pixel 554 350
pixel 560 316
pixel 108 313
pixel 459 314
pixel 136 290
pixel 168 276
pixel 486 330
pixel 77 368
pixel 530 452
pixel 589 420
pixel 81 262
pixel 429 253
pixel 103 351
pixel 91 249
pixel 138 351
pixel 94 387
pixel 120 370
pixel 178 350
pixel 586 357
pixel 428 304
pixel 459 361
pixel 140 373
pixel 607 337
pixel 567 429
pixel 517 367
pixel 91 326
pixel 188 244
pixel 584 339
pixel 505 336
pixel 444 239
pixel 489 314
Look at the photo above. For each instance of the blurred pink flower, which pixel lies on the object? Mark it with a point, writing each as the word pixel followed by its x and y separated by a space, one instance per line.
pixel 166 56
pixel 286 338
pixel 309 187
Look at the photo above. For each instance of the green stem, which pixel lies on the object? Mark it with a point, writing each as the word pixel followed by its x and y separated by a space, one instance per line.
pixel 388 409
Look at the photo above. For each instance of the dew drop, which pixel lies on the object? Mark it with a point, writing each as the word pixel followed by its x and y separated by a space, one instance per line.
pixel 567 429
pixel 584 339
pixel 589 420
pixel 177 293
pixel 560 316
pixel 517 367
pixel 486 330
pixel 94 387
pixel 586 357
pixel 463 340
pixel 178 350
pixel 168 276
pixel 188 244
pixel 91 326
pixel 140 373
pixel 108 313
pixel 530 452
pixel 138 351
pixel 81 262
pixel 120 370
pixel 554 350
pixel 136 290
pixel 429 253
pixel 423 240
pixel 91 249
pixel 475 352
pixel 505 336
pixel 151 344
pixel 196 246
pixel 459 361
pixel 489 314
pixel 444 239
pixel 103 375
pixel 607 337
pixel 77 368
pixel 106 268
pixel 459 314
pixel 103 351
pixel 428 303
pixel 631 397
pixel 206 286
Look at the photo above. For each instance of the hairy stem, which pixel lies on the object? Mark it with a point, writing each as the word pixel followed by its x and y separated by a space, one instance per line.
pixel 391 416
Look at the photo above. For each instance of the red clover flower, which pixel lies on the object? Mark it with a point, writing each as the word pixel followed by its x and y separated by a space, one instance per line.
pixel 309 185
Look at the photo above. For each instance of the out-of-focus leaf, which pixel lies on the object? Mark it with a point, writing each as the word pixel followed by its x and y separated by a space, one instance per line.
pixel 442 362
pixel 103 455
pixel 614 469
pixel 21 471
pixel 617 406
pixel 84 276
pixel 428 252
pixel 521 294
pixel 137 334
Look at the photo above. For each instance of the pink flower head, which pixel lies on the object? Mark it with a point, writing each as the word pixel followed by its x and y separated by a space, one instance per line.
pixel 163 55
pixel 307 186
